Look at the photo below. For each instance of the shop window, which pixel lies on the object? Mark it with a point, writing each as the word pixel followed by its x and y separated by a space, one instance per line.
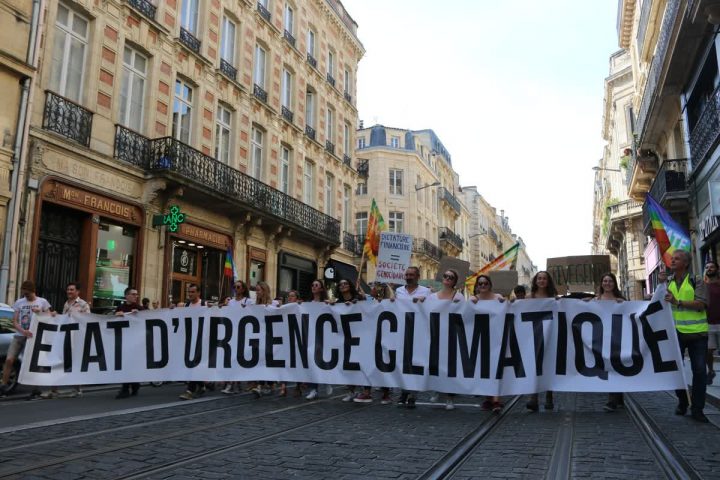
pixel 114 258
pixel 295 273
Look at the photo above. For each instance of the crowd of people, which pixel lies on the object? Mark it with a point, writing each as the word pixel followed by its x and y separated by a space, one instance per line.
pixel 695 309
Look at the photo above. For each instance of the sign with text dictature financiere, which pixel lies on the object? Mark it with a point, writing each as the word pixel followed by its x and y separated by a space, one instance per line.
pixel 486 348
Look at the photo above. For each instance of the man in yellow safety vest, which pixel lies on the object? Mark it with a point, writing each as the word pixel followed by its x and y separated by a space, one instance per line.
pixel 689 302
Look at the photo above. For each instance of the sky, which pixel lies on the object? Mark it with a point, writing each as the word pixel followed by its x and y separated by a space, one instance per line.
pixel 513 88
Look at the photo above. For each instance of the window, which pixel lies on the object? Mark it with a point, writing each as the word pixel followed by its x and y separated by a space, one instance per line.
pixel 259 74
pixel 346 82
pixel 329 124
pixel 311 43
pixel 362 188
pixel 395 142
pixel 256 167
pixel 346 139
pixel 222 134
pixel 329 194
pixel 132 89
pixel 68 60
pixel 395 222
pixel 289 19
pixel 396 181
pixel 308 183
pixel 361 142
pixel 287 83
pixel 309 108
pixel 182 111
pixel 347 199
pixel 285 169
pixel 361 223
pixel 189 16
pixel 331 63
pixel 227 43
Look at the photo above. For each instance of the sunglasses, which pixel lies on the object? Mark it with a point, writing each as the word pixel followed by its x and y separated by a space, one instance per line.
pixel 483 284
pixel 448 277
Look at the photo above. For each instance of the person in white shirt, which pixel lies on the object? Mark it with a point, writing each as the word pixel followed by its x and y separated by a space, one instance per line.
pixel 242 295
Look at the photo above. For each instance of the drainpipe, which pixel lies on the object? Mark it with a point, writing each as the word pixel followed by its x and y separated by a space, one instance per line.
pixel 18 150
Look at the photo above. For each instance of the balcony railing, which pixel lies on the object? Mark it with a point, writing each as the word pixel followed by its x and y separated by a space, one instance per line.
pixel 310 132
pixel 706 132
pixel 144 7
pixel 289 38
pixel 353 243
pixel 670 180
pixel 363 168
pixel 189 40
pixel 347 160
pixel 228 70
pixel 642 25
pixel 624 209
pixel 259 93
pixel 174 157
pixel 330 79
pixel 67 118
pixel 447 235
pixel 264 12
pixel 329 147
pixel 445 195
pixel 651 85
pixel 311 61
pixel 287 114
pixel 348 97
pixel 493 235
pixel 429 249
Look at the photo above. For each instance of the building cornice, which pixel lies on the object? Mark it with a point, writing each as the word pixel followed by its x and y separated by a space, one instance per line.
pixel 350 34
pixel 626 17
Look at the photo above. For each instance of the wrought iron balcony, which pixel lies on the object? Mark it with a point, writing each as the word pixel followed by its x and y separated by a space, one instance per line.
pixel 329 147
pixel 330 79
pixel 173 158
pixel 289 38
pixel 67 118
pixel 448 236
pixel 287 114
pixel 347 160
pixel 264 12
pixel 228 70
pixel 353 243
pixel 260 93
pixel 312 61
pixel 448 197
pixel 189 40
pixel 706 132
pixel 493 235
pixel 650 92
pixel 423 247
pixel 363 168
pixel 670 181
pixel 348 97
pixel 309 132
pixel 144 7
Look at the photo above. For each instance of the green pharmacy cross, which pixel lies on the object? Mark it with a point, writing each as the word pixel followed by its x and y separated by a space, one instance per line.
pixel 171 220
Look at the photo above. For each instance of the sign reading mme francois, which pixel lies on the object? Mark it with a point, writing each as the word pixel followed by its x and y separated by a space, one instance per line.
pixel 486 348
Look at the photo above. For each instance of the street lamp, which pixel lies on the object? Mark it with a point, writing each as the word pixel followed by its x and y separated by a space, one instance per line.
pixel 434 184
pixel 597 169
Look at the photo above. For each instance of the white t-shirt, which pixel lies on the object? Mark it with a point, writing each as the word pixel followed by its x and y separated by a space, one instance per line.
pixel 420 291
pixel 245 301
pixel 25 311
pixel 458 296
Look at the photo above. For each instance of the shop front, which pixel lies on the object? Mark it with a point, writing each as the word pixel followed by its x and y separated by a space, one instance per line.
pixel 86 237
pixel 196 254
pixel 295 273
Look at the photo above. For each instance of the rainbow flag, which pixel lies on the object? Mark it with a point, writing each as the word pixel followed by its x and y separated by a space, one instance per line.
pixel 230 270
pixel 506 261
pixel 376 224
pixel 669 234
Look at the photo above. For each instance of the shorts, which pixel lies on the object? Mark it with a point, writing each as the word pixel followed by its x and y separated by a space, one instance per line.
pixel 16 346
pixel 713 337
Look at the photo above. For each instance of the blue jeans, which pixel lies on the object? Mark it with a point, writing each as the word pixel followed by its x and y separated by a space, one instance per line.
pixel 696 345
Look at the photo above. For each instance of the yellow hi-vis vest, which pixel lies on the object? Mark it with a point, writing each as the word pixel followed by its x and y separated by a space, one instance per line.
pixel 687 321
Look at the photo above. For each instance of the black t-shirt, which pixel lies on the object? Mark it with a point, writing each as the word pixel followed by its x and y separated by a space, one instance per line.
pixel 129 307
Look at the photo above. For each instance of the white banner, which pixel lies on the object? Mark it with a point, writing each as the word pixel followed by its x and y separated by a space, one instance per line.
pixel 393 257
pixel 486 348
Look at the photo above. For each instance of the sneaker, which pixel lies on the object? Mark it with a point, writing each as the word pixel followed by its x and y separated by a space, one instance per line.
pixel 328 390
pixel 434 397
pixel 449 405
pixel 610 407
pixel 402 400
pixel 411 401
pixel 349 397
pixel 75 393
pixel 386 399
pixel 227 390
pixel 35 395
pixel 710 377
pixel 267 390
pixel 363 398
pixel 497 407
pixel 200 391
pixel 699 417
pixel 486 406
pixel 49 394
pixel 257 391
pixel 312 395
pixel 188 395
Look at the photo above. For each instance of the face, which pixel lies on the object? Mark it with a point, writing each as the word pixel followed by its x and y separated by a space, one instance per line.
pixel 520 295
pixel 239 288
pixel 482 285
pixel 608 284
pixel 542 280
pixel 132 296
pixel 344 285
pixel 192 293
pixel 28 294
pixel 292 297
pixel 155 305
pixel 678 261
pixel 411 276
pixel 711 270
pixel 449 279
pixel 72 292
pixel 316 287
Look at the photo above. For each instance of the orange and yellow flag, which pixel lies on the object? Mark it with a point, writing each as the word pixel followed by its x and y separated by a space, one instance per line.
pixel 376 224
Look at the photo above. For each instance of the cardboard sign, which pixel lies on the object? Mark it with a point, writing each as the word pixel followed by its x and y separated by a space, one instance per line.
pixel 393 257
